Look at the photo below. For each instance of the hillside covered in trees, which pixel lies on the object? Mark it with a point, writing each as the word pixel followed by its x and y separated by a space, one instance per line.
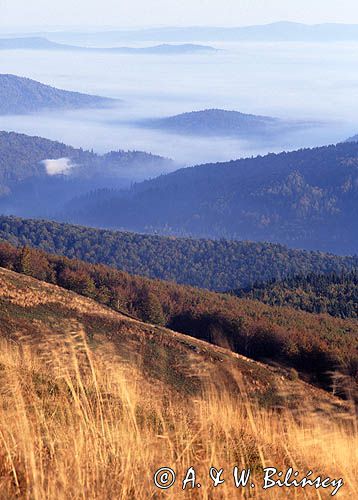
pixel 214 264
pixel 20 95
pixel 316 346
pixel 332 293
pixel 305 199
pixel 37 175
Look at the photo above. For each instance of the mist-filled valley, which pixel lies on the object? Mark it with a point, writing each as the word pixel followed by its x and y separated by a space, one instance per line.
pixel 114 119
pixel 307 83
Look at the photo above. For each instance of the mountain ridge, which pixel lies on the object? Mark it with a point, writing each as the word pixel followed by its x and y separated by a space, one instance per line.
pixel 304 199
pixel 332 293
pixel 87 391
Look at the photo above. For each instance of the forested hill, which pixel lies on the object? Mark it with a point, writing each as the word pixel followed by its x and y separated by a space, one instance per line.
pixel 332 293
pixel 20 95
pixel 21 157
pixel 30 172
pixel 216 265
pixel 305 199
pixel 220 122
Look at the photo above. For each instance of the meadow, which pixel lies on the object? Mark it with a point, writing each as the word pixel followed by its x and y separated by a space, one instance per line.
pixel 78 423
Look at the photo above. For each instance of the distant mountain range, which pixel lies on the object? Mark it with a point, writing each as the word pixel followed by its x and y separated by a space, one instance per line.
pixel 219 122
pixel 41 43
pixel 37 175
pixel 20 95
pixel 280 31
pixel 305 199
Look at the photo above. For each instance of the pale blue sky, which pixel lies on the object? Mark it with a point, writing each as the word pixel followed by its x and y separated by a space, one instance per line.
pixel 122 13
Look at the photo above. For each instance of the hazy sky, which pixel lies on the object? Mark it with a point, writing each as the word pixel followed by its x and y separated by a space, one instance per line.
pixel 121 13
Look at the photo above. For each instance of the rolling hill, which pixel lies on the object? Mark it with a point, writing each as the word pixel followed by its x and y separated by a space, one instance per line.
pixel 214 264
pixel 31 43
pixel 305 199
pixel 219 122
pixel 20 95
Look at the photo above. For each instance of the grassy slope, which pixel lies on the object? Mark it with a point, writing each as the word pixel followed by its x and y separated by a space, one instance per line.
pixel 93 402
pixel 31 310
pixel 318 346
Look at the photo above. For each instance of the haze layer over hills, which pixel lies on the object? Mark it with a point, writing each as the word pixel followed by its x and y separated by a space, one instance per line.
pixel 227 79
pixel 279 31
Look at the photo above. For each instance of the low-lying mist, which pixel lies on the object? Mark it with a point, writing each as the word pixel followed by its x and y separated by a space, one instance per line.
pixel 296 81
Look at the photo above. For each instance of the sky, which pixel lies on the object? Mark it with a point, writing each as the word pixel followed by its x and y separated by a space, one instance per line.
pixel 32 14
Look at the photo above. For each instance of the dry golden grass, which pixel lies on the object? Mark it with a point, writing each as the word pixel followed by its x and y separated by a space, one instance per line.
pixel 75 424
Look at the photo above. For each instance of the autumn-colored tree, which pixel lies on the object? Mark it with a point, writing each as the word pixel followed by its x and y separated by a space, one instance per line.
pixel 33 263
pixel 78 281
pixel 150 307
